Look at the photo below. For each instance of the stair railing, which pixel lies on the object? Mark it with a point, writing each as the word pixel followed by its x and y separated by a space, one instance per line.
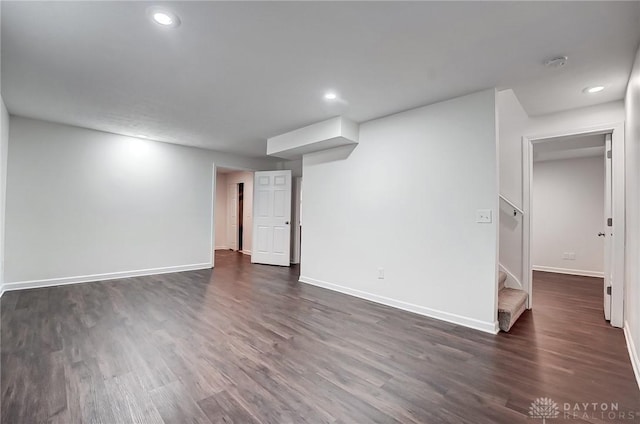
pixel 516 210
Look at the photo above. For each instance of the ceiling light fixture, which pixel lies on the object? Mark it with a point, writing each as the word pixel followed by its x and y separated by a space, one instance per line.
pixel 163 17
pixel 591 90
pixel 330 96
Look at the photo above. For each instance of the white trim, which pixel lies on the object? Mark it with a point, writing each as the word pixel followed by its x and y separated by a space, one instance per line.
pixel 487 327
pixel 568 271
pixel 222 248
pixel 33 284
pixel 618 248
pixel 633 353
pixel 246 252
pixel 512 281
pixel 496 205
pixel 527 189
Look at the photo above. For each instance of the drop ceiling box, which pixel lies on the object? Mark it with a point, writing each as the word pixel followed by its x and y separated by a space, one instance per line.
pixel 334 132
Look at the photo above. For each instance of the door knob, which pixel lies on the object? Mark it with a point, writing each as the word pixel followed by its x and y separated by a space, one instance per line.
pixel 600 234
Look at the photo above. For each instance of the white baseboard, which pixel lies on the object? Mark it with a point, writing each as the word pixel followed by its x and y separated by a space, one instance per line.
pixel 247 252
pixel 222 248
pixel 512 282
pixel 633 353
pixel 487 327
pixel 33 284
pixel 568 271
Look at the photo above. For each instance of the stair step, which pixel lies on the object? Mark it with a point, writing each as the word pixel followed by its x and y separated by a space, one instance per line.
pixel 502 278
pixel 511 304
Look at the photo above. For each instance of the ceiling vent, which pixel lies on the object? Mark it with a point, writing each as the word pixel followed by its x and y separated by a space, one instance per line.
pixel 556 62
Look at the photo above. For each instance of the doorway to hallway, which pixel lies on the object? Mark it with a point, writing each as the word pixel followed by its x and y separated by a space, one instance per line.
pixel 234 210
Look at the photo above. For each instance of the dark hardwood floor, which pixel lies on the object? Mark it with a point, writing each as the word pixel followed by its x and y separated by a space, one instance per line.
pixel 248 344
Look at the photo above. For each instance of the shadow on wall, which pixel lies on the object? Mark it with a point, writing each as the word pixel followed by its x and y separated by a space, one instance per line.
pixel 331 155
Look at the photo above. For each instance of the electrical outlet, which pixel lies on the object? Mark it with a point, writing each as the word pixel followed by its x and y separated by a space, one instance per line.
pixel 381 273
pixel 483 216
pixel 569 256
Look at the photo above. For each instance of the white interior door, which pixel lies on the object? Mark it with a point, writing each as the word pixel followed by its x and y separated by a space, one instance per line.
pixel 271 218
pixel 608 228
pixel 232 216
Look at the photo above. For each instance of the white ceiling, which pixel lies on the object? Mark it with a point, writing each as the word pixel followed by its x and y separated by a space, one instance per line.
pixel 235 73
pixel 570 147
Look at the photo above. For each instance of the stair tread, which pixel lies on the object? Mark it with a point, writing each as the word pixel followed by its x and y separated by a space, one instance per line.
pixel 509 300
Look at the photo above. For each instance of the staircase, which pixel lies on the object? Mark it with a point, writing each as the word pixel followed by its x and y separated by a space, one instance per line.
pixel 511 303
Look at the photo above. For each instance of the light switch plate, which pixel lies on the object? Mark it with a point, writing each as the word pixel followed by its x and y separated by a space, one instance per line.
pixel 483 216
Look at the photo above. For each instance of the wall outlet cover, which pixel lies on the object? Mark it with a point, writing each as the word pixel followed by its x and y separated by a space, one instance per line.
pixel 483 216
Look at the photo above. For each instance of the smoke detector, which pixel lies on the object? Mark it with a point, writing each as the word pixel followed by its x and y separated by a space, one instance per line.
pixel 556 62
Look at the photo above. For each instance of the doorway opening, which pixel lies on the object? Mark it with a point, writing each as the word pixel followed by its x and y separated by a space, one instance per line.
pixel 570 200
pixel 240 215
pixel 573 237
pixel 233 210
pixel 273 235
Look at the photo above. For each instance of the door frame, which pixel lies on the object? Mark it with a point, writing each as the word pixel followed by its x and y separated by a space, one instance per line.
pixel 233 188
pixel 214 185
pixel 618 210
pixel 296 219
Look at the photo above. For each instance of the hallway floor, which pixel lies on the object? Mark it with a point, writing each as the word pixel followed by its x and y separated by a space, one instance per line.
pixel 572 352
pixel 249 344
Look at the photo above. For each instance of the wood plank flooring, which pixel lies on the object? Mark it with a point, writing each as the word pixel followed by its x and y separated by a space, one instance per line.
pixel 249 344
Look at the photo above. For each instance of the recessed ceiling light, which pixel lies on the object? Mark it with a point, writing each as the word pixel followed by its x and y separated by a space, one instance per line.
pixel 592 90
pixel 330 96
pixel 164 17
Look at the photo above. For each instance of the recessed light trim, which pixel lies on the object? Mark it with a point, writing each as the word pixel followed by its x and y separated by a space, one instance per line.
pixel 163 17
pixel 594 89
pixel 330 95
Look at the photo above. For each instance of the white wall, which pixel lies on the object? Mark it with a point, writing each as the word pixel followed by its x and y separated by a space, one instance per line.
pixel 405 200
pixel 513 122
pixel 606 113
pixel 86 203
pixel 632 249
pixel 295 166
pixel 513 125
pixel 221 211
pixel 568 213
pixel 4 149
